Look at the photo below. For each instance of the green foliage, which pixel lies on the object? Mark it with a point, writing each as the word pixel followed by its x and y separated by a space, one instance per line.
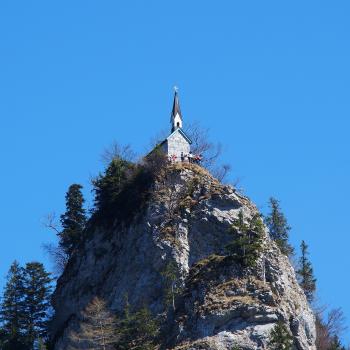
pixel 12 315
pixel 138 330
pixel 236 347
pixel 156 161
pixel 121 191
pixel 172 286
pixel 280 339
pixel 25 306
pixel 36 302
pixel 305 273
pixel 248 240
pixel 15 344
pixel 73 221
pixel 3 337
pixel 107 187
pixel 279 228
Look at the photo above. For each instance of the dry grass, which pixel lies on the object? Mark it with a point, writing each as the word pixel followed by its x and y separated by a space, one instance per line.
pixel 232 293
pixel 196 169
pixel 204 268
pixel 217 298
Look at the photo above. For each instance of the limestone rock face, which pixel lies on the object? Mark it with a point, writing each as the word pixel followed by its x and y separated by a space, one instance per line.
pixel 187 221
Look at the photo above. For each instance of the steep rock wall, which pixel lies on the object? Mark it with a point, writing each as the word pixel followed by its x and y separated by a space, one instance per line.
pixel 222 305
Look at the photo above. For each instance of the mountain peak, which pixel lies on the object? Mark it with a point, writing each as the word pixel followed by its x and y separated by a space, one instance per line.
pixel 185 228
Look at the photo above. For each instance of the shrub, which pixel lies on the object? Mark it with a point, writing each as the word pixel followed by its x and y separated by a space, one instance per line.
pixel 121 192
pixel 280 339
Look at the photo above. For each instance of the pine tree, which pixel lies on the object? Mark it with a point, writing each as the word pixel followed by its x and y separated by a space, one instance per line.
pixel 138 330
pixel 280 339
pixel 279 228
pixel 12 307
pixel 247 243
pixel 108 186
pixel 305 273
pixel 73 221
pixel 14 344
pixel 37 293
pixel 11 343
pixel 3 337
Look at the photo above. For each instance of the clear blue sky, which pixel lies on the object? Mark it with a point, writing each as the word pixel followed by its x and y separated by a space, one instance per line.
pixel 269 78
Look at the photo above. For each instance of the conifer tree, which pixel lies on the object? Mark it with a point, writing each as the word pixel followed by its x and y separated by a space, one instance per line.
pixel 108 186
pixel 280 339
pixel 12 307
pixel 139 330
pixel 305 273
pixel 36 302
pixel 73 221
pixel 3 337
pixel 279 228
pixel 247 243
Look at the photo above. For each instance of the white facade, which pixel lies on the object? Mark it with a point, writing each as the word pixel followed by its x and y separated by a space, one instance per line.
pixel 177 146
pixel 176 122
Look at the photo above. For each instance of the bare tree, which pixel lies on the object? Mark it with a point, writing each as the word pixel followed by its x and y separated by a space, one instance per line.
pixel 221 172
pixel 56 253
pixel 159 137
pixel 336 322
pixel 51 223
pixel 210 151
pixel 322 337
pixel 117 151
pixel 97 330
pixel 58 257
pixel 330 327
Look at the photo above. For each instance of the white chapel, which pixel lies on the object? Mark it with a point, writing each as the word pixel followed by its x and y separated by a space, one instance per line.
pixel 177 146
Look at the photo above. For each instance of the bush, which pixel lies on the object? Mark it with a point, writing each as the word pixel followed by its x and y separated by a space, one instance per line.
pixel 121 192
pixel 107 187
pixel 280 339
pixel 138 330
pixel 156 161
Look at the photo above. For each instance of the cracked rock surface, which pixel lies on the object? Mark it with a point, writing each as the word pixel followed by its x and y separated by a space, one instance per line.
pixel 187 221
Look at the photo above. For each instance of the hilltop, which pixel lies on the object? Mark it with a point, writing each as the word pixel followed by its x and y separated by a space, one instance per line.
pixel 182 228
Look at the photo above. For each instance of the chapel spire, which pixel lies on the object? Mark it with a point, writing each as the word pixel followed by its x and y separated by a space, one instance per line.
pixel 176 116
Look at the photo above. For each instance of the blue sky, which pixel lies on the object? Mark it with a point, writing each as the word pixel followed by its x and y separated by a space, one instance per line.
pixel 269 78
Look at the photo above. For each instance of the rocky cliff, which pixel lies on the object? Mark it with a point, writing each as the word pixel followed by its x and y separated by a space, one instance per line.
pixel 186 221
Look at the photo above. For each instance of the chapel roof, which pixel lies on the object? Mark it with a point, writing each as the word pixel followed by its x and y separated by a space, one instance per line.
pixel 176 107
pixel 182 133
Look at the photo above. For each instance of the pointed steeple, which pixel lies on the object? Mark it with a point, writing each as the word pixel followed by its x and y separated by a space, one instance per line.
pixel 176 116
